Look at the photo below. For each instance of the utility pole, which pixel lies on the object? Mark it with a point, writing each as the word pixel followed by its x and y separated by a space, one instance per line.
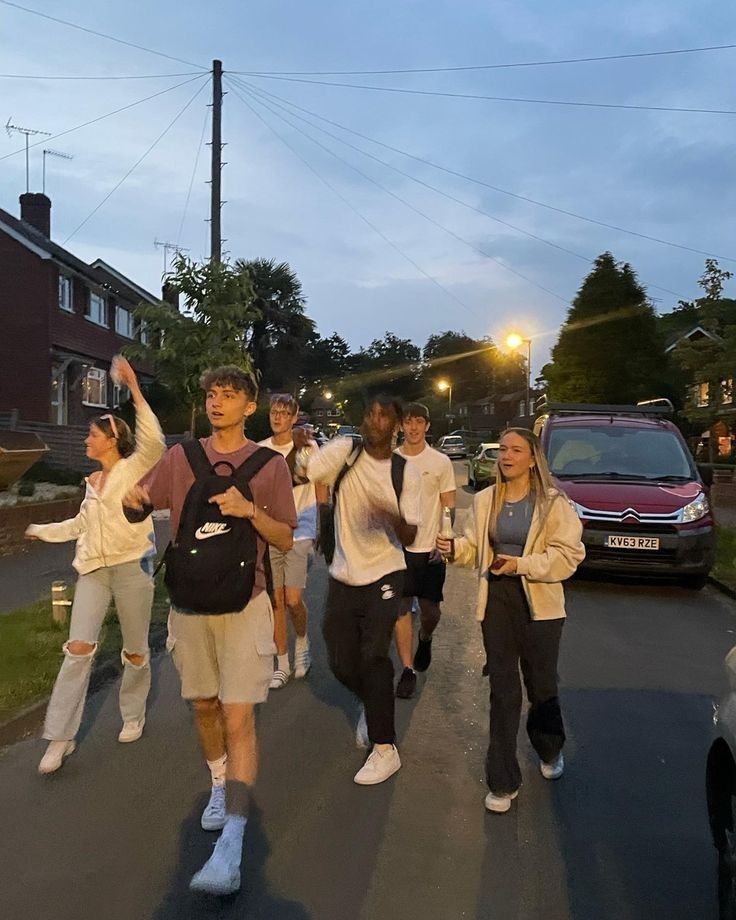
pixel 216 176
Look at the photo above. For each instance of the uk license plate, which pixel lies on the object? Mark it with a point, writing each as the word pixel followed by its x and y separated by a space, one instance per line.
pixel 618 542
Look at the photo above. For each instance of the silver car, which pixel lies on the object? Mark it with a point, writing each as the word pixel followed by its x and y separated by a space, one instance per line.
pixel 720 784
pixel 453 446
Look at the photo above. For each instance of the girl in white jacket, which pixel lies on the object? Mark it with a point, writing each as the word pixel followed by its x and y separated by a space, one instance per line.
pixel 114 559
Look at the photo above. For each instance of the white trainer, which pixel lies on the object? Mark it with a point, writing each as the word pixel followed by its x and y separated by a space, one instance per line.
pixel 280 679
pixel 213 816
pixel 379 766
pixel 55 754
pixel 553 770
pixel 361 731
pixel 221 873
pixel 131 731
pixel 499 804
pixel 302 663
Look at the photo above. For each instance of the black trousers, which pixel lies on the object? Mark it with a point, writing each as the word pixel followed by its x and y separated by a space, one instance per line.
pixel 358 627
pixel 511 637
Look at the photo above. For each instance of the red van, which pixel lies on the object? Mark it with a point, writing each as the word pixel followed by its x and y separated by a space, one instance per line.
pixel 642 500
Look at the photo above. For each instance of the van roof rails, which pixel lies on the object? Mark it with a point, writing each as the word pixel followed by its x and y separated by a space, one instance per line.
pixel 600 409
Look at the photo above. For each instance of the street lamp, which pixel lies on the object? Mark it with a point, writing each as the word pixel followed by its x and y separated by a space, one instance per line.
pixel 327 394
pixel 513 342
pixel 443 385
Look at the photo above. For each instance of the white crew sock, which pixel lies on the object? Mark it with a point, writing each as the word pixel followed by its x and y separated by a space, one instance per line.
pixel 217 769
pixel 283 663
pixel 302 644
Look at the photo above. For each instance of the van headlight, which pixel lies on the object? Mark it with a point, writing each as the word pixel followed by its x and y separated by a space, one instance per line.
pixel 697 509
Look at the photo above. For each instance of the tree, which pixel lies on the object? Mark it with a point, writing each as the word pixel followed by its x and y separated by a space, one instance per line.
pixel 389 365
pixel 280 330
pixel 471 365
pixel 218 307
pixel 610 349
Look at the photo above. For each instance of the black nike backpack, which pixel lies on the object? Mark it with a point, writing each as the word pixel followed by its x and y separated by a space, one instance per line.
pixel 211 561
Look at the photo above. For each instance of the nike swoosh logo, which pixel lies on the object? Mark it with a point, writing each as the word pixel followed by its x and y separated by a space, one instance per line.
pixel 205 536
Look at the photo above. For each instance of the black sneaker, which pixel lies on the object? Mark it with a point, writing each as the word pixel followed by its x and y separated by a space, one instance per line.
pixel 407 684
pixel 423 654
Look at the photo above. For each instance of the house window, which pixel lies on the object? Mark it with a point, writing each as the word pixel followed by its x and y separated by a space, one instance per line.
pixel 491 408
pixel 120 395
pixel 522 409
pixel 96 309
pixel 124 324
pixel 485 409
pixel 94 388
pixel 702 395
pixel 319 412
pixel 144 334
pixel 58 394
pixel 65 293
pixel 727 392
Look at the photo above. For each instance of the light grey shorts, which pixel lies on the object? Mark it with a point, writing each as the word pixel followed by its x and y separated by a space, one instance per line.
pixel 229 655
pixel 290 569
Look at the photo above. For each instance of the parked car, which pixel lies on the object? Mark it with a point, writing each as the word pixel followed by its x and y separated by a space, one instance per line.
pixel 474 439
pixel 482 466
pixel 452 445
pixel 642 500
pixel 720 786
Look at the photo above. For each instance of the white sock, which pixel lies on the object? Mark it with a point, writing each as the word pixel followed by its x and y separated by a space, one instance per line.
pixel 302 644
pixel 234 828
pixel 283 663
pixel 217 769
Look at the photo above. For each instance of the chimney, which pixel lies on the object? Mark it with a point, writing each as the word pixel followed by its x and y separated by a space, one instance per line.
pixel 170 294
pixel 35 209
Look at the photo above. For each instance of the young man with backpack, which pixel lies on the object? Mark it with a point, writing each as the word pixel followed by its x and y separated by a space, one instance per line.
pixel 290 569
pixel 228 499
pixel 376 513
pixel 425 569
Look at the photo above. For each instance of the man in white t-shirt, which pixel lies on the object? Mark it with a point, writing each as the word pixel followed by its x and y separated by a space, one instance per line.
pixel 425 569
pixel 377 511
pixel 289 569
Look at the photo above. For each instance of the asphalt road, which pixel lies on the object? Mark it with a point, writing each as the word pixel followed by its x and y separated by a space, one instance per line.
pixel 622 835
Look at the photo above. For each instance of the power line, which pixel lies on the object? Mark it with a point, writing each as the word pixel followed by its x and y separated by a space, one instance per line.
pixel 135 165
pixel 349 204
pixel 496 188
pixel 465 204
pixel 480 96
pixel 465 67
pixel 191 180
pixel 93 121
pixel 415 209
pixel 112 38
pixel 129 76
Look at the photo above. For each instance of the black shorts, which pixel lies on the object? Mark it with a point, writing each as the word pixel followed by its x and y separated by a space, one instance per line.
pixel 424 579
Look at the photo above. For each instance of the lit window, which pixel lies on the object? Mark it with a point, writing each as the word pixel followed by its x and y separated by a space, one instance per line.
pixel 727 391
pixel 65 293
pixel 486 409
pixel 94 388
pixel 97 309
pixel 522 409
pixel 702 394
pixel 124 324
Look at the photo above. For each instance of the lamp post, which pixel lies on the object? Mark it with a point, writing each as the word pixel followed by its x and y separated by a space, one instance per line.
pixel 443 385
pixel 515 341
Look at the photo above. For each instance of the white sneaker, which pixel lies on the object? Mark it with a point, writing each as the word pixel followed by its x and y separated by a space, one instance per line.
pixel 131 731
pixel 553 770
pixel 302 663
pixel 500 803
pixel 361 731
pixel 221 873
pixel 55 754
pixel 379 766
pixel 280 679
pixel 213 816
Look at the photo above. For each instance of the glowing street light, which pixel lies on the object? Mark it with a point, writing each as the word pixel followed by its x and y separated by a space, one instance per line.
pixel 443 385
pixel 327 394
pixel 515 341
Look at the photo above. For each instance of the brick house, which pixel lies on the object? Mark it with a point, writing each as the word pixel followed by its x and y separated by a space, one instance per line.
pixel 62 321
pixel 326 414
pixel 497 412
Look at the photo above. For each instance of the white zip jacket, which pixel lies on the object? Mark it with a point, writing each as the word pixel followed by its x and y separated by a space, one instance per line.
pixel 104 536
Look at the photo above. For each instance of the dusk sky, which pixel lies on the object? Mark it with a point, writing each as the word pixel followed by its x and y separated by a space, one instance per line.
pixel 668 175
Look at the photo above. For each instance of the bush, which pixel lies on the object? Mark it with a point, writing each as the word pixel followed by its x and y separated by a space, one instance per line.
pixel 26 488
pixel 43 472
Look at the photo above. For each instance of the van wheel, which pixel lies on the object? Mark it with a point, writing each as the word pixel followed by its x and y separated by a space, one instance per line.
pixel 695 582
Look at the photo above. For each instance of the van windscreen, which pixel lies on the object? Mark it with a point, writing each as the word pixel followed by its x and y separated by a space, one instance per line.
pixel 598 451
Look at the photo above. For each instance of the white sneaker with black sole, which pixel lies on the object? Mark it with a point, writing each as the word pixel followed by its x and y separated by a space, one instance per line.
pixel 380 765
pixel 213 816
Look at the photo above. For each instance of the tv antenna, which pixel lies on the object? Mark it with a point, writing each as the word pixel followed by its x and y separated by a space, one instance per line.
pixel 17 129
pixel 52 153
pixel 167 248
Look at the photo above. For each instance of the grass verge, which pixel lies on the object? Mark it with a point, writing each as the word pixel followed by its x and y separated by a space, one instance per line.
pixel 32 655
pixel 725 568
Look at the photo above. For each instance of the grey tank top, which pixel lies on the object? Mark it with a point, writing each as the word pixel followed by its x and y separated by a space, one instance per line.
pixel 512 527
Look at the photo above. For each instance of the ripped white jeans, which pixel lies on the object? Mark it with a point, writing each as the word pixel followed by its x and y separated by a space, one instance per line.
pixel 131 587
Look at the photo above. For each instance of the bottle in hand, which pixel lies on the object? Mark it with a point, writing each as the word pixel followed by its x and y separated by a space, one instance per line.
pixel 446 531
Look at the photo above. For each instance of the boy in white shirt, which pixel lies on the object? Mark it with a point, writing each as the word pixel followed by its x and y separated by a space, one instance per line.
pixel 425 569
pixel 376 514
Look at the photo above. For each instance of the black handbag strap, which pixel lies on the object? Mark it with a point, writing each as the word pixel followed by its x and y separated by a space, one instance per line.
pixel 253 464
pixel 398 464
pixel 197 458
pixel 355 452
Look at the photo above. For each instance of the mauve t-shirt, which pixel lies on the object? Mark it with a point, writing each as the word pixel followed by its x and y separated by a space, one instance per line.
pixel 172 477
